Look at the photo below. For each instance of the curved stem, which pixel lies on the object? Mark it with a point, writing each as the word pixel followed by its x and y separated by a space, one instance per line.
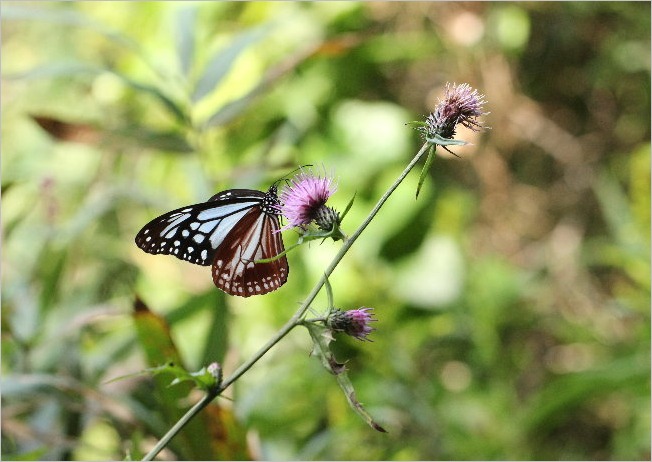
pixel 294 320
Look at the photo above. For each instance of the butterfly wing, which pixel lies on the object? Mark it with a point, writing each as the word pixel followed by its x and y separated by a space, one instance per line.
pixel 193 233
pixel 231 231
pixel 255 237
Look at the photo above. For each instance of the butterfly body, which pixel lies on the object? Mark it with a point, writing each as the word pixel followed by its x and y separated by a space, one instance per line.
pixel 230 231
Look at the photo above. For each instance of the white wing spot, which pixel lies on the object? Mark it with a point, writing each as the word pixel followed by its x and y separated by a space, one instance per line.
pixel 208 226
pixel 148 238
pixel 198 238
pixel 185 233
pixel 194 225
pixel 171 233
pixel 204 254
pixel 190 249
pixel 174 224
pixel 176 243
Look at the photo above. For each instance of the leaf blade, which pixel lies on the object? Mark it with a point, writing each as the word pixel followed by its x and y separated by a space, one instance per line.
pixel 321 339
pixel 185 37
pixel 220 64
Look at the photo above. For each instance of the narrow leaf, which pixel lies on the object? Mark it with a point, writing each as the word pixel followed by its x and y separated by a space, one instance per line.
pixel 75 68
pixel 348 207
pixel 436 139
pixel 172 106
pixel 217 339
pixel 66 17
pixel 193 442
pixel 426 168
pixel 321 340
pixel 235 107
pixel 186 37
pixel 231 109
pixel 221 63
pixel 169 141
pixel 329 292
pixel 52 70
pixel 276 257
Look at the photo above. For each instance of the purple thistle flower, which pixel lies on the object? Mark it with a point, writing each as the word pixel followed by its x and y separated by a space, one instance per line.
pixel 461 105
pixel 304 201
pixel 352 322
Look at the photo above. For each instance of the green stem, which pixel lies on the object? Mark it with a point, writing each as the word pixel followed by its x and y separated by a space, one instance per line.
pixel 192 412
pixel 294 320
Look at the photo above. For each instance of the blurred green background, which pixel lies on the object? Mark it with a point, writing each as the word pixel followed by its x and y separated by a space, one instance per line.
pixel 513 296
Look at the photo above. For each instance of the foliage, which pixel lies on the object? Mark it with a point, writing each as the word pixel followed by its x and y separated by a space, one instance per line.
pixel 513 296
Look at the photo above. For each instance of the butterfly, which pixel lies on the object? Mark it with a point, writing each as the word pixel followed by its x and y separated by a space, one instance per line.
pixel 231 231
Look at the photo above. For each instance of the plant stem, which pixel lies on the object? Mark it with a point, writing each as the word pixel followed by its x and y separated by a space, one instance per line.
pixel 201 404
pixel 294 320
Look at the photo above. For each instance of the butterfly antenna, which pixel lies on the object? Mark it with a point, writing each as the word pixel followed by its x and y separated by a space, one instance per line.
pixel 284 177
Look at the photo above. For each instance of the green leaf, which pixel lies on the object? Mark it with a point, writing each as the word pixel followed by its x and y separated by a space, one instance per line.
pixel 220 64
pixel 555 401
pixel 307 236
pixel 153 332
pixel 329 293
pixel 436 139
pixel 321 339
pixel 171 105
pixel 169 141
pixel 231 109
pixel 24 385
pixel 68 69
pixel 51 70
pixel 426 168
pixel 34 454
pixel 66 17
pixel 51 273
pixel 617 212
pixel 186 20
pixel 348 207
pixel 276 257
pixel 202 378
pixel 217 338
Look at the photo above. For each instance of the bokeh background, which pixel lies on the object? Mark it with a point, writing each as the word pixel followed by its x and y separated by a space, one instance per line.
pixel 513 296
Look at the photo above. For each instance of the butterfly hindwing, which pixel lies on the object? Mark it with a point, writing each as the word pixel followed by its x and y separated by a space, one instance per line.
pixel 234 267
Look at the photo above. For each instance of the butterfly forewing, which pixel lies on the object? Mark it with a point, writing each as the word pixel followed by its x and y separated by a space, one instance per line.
pixel 231 231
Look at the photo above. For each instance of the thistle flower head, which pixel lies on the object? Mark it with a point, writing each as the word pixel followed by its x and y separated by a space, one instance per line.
pixel 303 201
pixel 352 322
pixel 461 105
